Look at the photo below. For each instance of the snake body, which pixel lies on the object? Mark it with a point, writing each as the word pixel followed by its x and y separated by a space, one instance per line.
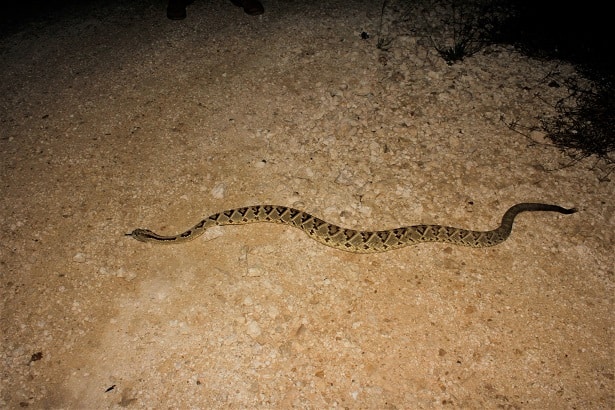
pixel 350 240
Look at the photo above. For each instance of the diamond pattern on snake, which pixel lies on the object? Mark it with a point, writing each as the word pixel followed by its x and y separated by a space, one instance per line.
pixel 351 240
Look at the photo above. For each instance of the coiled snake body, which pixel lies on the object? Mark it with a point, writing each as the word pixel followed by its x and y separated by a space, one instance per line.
pixel 352 240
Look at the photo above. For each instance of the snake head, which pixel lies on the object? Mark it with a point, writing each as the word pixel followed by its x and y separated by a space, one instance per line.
pixel 142 235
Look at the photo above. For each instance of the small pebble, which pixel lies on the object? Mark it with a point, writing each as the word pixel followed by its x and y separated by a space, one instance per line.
pixel 254 330
pixel 218 191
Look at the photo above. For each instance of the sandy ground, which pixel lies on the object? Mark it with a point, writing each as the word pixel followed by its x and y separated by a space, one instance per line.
pixel 115 118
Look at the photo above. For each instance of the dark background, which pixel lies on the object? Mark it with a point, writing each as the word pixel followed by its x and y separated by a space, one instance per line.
pixel 576 32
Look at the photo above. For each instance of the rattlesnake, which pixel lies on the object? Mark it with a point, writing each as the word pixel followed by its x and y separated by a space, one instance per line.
pixel 348 239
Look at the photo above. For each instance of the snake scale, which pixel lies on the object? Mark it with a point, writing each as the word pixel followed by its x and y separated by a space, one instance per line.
pixel 350 240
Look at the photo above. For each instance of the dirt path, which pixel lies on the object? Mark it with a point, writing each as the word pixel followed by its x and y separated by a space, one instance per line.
pixel 115 118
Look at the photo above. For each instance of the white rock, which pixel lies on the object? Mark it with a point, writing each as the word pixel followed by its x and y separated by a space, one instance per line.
pixel 254 330
pixel 218 191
